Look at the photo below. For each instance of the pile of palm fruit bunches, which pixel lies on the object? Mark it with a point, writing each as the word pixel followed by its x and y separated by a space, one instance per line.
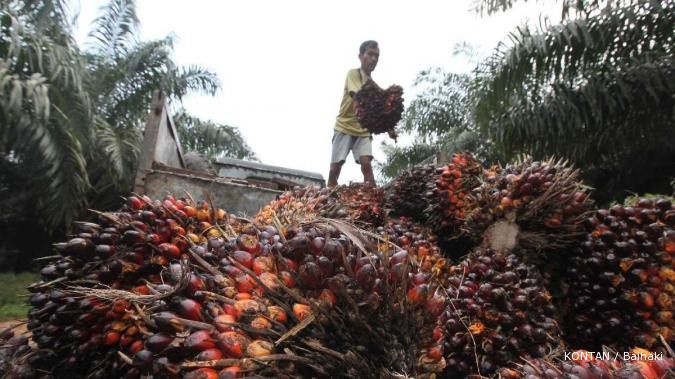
pixel 453 271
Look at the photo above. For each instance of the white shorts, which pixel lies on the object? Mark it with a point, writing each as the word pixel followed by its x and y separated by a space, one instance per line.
pixel 342 143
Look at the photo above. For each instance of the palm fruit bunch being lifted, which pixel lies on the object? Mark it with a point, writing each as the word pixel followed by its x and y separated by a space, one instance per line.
pixel 623 278
pixel 154 290
pixel 634 364
pixel 379 110
pixel 355 202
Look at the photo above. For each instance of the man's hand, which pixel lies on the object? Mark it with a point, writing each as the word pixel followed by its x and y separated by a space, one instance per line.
pixel 392 134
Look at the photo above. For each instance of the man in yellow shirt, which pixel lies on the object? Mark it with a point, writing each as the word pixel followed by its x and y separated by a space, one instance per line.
pixel 349 134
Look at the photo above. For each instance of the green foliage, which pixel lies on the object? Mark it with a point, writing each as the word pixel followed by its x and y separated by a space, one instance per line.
pixel 441 119
pixel 71 120
pixel 13 294
pixel 211 139
pixel 597 90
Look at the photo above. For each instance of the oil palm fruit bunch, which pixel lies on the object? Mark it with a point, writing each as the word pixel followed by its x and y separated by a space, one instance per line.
pixel 379 110
pixel 634 364
pixel 541 205
pixel 293 207
pixel 356 202
pixel 420 244
pixel 499 310
pixel 152 291
pixel 82 309
pixel 405 196
pixel 622 278
pixel 449 197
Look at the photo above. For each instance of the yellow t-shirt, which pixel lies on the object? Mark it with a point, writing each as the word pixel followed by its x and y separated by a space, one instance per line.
pixel 346 120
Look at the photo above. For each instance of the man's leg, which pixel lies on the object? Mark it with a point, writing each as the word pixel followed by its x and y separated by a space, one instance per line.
pixel 367 170
pixel 342 143
pixel 334 173
pixel 363 154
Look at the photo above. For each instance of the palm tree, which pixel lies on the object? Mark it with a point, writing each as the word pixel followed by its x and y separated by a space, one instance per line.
pixel 597 89
pixel 71 120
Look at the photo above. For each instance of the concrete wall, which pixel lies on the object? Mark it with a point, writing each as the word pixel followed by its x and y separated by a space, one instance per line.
pixel 236 168
pixel 233 197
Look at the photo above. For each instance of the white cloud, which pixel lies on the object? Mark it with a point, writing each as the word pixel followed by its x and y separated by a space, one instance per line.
pixel 282 64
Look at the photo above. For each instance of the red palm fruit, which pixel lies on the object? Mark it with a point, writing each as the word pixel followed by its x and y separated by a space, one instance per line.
pixel 189 309
pixel 437 334
pixel 245 283
pixel 229 309
pixel 309 275
pixel 242 296
pixel 200 340
pixel 111 338
pixel 436 352
pixel 135 203
pixel 202 373
pixel 135 346
pixel 259 348
pixel 141 290
pixel 244 258
pixel 286 264
pixel 195 284
pixel 301 311
pixel 119 306
pixel 328 297
pixel 248 307
pixel 261 323
pixel 400 256
pixel 203 215
pixel 229 373
pixel 418 294
pixel 263 264
pixel 277 313
pixel 126 340
pixel 190 211
pixel 105 251
pixel 248 243
pixel 209 355
pixel 232 271
pixel 234 343
pixel 366 276
pixel 287 278
pixel 154 239
pixel 169 250
pixel 223 322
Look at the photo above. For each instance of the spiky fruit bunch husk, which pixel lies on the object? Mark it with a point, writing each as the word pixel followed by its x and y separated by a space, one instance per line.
pixel 355 202
pixel 421 245
pixel 147 291
pixel 405 196
pixel 544 202
pixel 622 279
pixel 379 110
pixel 635 364
pixel 499 310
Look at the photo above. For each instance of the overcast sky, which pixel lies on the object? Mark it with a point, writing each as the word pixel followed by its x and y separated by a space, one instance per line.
pixel 282 64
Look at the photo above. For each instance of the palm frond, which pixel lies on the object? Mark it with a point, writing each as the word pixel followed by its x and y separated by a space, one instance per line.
pixel 115 29
pixel 210 138
pixel 184 80
pixel 615 36
pixel 617 111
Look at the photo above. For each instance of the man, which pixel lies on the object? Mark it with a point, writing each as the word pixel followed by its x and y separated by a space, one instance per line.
pixel 349 134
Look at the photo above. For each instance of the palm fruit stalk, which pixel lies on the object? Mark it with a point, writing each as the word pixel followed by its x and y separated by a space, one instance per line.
pixel 634 364
pixel 175 289
pixel 499 310
pixel 406 198
pixel 622 278
pixel 379 110
pixel 530 204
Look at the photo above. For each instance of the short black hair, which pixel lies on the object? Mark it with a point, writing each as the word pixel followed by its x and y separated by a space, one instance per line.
pixel 365 45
